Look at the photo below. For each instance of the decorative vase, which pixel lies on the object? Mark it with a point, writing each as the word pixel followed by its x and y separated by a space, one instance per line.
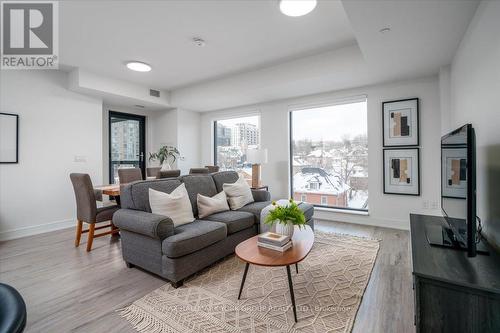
pixel 285 228
pixel 165 166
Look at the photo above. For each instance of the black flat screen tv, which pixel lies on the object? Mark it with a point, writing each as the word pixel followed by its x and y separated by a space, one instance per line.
pixel 458 192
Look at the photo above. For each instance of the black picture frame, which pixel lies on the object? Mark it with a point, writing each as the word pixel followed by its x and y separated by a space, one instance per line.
pixel 384 166
pixel 17 138
pixel 384 143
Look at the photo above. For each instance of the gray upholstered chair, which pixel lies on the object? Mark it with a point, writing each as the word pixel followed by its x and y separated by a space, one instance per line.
pixel 212 168
pixel 168 174
pixel 129 175
pixel 12 310
pixel 193 171
pixel 87 211
pixel 152 171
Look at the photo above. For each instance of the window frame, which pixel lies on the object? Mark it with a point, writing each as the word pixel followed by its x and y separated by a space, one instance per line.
pixel 302 107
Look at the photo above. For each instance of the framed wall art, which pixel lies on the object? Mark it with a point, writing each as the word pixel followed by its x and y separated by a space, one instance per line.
pixel 400 121
pixel 402 171
pixel 9 125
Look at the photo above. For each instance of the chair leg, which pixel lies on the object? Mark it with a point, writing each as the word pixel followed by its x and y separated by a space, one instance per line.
pixel 90 237
pixel 79 226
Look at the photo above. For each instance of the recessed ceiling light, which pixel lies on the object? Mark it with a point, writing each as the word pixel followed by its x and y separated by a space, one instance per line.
pixel 385 30
pixel 138 66
pixel 297 7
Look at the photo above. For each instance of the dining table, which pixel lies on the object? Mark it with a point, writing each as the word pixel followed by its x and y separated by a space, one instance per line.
pixel 113 190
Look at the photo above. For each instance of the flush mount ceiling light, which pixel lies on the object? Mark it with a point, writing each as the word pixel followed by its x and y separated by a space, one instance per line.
pixel 138 66
pixel 297 7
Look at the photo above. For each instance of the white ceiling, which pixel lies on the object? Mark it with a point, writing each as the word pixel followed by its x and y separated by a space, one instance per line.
pixel 240 35
pixel 254 53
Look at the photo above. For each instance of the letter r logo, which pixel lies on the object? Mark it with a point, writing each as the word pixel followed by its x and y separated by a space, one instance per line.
pixel 27 28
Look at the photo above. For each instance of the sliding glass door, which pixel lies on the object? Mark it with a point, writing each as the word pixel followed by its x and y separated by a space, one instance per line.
pixel 126 143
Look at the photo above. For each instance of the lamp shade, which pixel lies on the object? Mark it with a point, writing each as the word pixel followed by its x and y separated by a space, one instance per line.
pixel 257 156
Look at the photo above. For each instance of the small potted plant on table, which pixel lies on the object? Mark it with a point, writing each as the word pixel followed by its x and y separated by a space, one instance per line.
pixel 286 217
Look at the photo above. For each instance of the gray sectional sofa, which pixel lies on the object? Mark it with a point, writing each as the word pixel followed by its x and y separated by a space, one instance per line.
pixel 151 242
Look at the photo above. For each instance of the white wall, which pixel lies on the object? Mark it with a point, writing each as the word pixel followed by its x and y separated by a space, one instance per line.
pixel 55 125
pixel 188 139
pixel 385 210
pixel 475 87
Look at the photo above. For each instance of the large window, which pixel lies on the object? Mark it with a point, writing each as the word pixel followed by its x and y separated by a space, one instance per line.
pixel 233 138
pixel 329 155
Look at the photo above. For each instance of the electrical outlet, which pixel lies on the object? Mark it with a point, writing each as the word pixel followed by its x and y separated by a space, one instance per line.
pixel 80 159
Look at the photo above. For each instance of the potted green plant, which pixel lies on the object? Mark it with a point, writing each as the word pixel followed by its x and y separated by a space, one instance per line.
pixel 286 217
pixel 167 155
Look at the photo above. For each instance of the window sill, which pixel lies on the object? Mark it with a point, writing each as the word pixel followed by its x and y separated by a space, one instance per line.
pixel 342 211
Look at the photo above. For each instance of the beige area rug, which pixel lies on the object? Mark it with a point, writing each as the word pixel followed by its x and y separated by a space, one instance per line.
pixel 328 292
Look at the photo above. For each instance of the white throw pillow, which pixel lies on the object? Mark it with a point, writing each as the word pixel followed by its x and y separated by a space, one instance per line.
pixel 211 205
pixel 175 205
pixel 238 194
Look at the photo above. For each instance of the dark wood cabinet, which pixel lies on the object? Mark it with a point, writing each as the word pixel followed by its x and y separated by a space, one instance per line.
pixel 453 293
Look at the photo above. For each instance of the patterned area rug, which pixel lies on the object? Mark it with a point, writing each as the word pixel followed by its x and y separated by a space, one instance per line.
pixel 328 291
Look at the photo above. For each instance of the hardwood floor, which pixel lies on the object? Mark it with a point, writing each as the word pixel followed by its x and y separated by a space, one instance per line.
pixel 68 289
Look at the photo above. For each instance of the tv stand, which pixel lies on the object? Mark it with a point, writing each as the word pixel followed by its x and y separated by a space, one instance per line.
pixel 443 236
pixel 453 292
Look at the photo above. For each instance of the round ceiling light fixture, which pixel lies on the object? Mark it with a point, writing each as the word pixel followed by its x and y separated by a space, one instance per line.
pixel 297 8
pixel 138 66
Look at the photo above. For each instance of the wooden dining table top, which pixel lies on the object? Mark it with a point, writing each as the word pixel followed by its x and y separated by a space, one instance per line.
pixel 112 189
pixel 302 240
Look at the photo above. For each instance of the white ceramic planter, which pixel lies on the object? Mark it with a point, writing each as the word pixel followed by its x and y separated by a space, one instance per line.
pixel 285 229
pixel 165 166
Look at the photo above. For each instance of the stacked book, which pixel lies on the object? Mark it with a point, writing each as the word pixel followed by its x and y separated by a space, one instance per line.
pixel 274 241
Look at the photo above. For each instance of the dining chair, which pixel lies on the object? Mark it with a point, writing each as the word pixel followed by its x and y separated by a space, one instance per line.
pixel 87 211
pixel 152 171
pixel 198 171
pixel 128 175
pixel 168 174
pixel 212 168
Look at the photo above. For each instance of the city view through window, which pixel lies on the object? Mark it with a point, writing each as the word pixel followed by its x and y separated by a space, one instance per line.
pixel 233 139
pixel 330 156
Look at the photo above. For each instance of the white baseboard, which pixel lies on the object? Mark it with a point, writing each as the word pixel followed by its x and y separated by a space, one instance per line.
pixel 36 229
pixel 362 219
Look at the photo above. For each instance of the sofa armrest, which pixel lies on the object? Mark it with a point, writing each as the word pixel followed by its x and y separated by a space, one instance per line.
pixel 260 195
pixel 144 223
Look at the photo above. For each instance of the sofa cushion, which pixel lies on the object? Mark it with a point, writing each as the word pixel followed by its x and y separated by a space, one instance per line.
pixel 136 195
pixel 238 194
pixel 234 220
pixel 175 205
pixel 211 205
pixel 255 208
pixel 224 177
pixel 191 237
pixel 199 183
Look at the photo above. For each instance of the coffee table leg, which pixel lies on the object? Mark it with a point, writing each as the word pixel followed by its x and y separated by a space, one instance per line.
pixel 244 278
pixel 290 284
pixel 297 268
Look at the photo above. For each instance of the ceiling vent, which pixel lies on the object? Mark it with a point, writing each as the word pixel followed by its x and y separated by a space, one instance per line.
pixel 154 93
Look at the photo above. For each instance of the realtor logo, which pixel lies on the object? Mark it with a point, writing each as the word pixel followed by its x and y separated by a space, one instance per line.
pixel 29 35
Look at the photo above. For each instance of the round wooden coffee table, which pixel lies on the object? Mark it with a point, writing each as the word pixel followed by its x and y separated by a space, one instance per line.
pixel 250 253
